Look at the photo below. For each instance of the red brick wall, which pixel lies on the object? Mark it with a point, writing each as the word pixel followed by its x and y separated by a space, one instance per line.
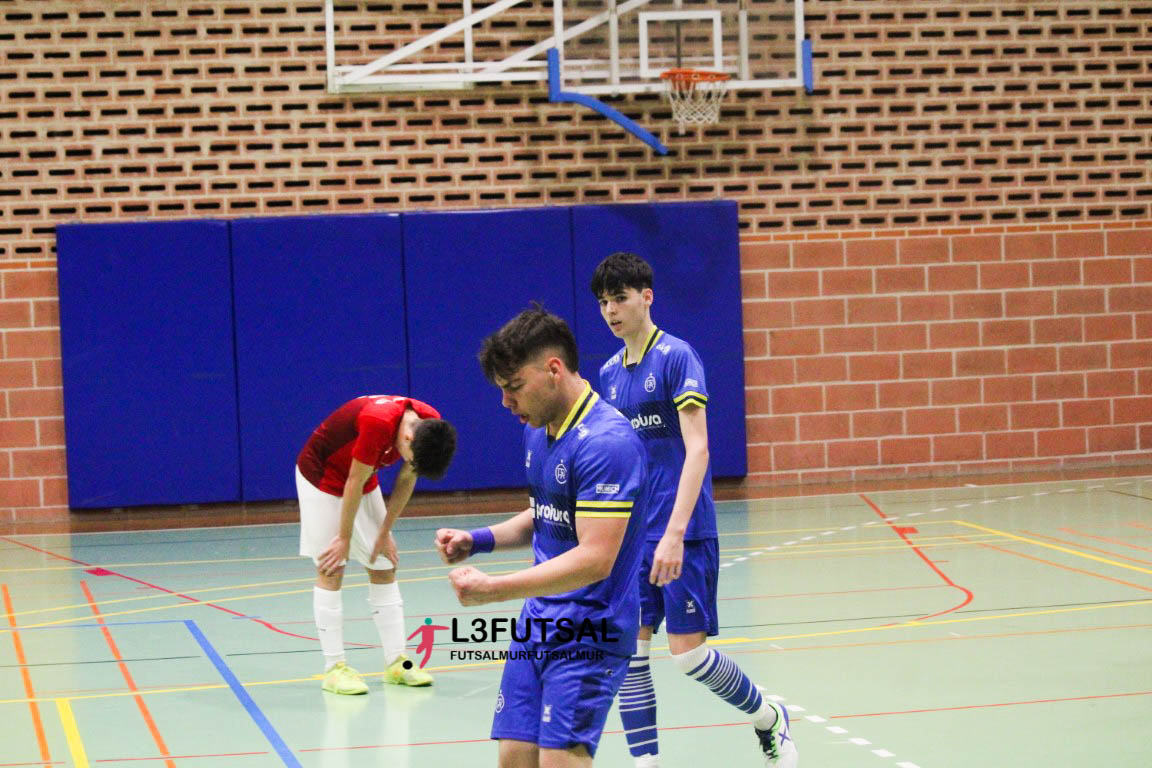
pixel 946 247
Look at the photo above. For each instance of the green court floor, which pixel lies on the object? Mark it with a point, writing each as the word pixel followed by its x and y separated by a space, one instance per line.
pixel 974 626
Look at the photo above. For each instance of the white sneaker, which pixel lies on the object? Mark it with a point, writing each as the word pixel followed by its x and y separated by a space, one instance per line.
pixel 776 742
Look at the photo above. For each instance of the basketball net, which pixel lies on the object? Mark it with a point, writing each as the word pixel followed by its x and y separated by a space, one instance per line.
pixel 694 95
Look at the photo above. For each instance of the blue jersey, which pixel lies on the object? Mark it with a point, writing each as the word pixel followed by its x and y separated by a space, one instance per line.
pixel 594 467
pixel 650 392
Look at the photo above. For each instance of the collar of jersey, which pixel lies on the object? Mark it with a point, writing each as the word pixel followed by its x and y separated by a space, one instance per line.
pixel 655 334
pixel 579 410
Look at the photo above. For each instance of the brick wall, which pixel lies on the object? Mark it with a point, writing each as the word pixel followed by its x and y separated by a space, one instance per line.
pixel 946 248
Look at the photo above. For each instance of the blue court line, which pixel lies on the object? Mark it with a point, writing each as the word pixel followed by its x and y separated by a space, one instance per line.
pixel 241 693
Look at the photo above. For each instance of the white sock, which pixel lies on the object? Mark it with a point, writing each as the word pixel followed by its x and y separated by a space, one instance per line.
pixel 388 615
pixel 648 761
pixel 328 610
pixel 766 716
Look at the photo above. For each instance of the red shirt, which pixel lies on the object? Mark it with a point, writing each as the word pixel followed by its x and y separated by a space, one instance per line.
pixel 363 429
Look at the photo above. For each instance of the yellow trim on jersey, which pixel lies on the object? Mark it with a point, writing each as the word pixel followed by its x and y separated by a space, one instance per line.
pixel 655 334
pixel 691 401
pixel 579 410
pixel 690 393
pixel 579 513
pixel 604 504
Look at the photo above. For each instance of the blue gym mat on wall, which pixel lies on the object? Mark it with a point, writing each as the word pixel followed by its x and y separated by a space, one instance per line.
pixel 206 351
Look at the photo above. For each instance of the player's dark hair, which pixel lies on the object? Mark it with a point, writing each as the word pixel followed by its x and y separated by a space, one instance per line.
pixel 620 271
pixel 433 446
pixel 522 338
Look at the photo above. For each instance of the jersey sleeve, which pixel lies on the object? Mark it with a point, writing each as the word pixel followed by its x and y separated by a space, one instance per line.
pixel 376 432
pixel 686 379
pixel 423 410
pixel 609 476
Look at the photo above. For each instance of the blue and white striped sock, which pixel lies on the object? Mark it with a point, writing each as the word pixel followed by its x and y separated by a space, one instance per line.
pixel 724 679
pixel 637 703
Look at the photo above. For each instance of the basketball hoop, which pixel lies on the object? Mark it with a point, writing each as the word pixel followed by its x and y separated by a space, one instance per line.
pixel 695 95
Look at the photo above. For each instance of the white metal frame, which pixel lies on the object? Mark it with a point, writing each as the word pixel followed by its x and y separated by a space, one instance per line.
pixel 717 39
pixel 389 73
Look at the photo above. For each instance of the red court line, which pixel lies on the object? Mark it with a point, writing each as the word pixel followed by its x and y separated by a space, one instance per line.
pixel 1140 525
pixel 29 691
pixel 999 704
pixel 144 712
pixel 1060 565
pixel 261 622
pixel 1086 546
pixel 1107 539
pixel 904 536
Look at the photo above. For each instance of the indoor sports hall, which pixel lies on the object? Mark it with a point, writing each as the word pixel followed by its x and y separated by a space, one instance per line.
pixel 910 241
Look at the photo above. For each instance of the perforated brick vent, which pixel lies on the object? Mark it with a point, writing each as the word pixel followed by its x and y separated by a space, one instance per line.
pixel 926 114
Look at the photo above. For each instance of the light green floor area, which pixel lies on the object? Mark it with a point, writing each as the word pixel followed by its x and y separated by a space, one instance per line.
pixel 976 626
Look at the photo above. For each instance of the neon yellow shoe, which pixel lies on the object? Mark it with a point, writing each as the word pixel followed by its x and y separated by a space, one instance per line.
pixel 404 671
pixel 342 679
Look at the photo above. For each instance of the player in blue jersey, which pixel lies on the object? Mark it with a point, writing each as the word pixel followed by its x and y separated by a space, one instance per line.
pixel 657 381
pixel 585 522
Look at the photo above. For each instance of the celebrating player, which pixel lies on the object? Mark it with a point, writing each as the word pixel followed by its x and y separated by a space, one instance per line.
pixel 342 515
pixel 585 523
pixel 657 382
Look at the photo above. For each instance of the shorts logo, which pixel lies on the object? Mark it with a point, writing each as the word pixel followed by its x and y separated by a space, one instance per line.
pixel 650 383
pixel 607 488
pixel 499 701
pixel 612 392
pixel 691 383
pixel 690 606
pixel 528 458
pixel 547 716
pixel 561 473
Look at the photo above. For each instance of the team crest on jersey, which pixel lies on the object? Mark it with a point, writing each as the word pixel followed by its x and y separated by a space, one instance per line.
pixel 650 383
pixel 528 458
pixel 500 701
pixel 612 392
pixel 665 348
pixel 561 473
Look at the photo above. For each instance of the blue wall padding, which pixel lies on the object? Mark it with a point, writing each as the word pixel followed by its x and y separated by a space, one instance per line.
pixel 694 251
pixel 149 383
pixel 467 274
pixel 319 320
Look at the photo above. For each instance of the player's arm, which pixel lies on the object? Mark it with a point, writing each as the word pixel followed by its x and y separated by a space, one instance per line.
pixel 455 545
pixel 337 552
pixel 589 561
pixel 668 559
pixel 397 500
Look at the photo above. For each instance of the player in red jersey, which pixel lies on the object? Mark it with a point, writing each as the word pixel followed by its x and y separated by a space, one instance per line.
pixel 342 515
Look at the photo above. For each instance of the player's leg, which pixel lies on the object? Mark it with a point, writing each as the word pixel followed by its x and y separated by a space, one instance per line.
pixel 690 602
pixel 384 598
pixel 576 757
pixel 637 700
pixel 518 754
pixel 319 523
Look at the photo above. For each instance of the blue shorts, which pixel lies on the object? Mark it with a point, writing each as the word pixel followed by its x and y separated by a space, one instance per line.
pixel 689 602
pixel 556 703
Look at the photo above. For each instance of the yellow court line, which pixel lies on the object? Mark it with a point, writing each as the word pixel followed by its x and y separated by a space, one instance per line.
pixel 834 527
pixel 1058 548
pixel 72 733
pixel 827 545
pixel 161 563
pixel 251 585
pixel 194 603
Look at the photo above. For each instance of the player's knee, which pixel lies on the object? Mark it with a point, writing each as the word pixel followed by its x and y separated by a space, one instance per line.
pixel 518 754
pixel 689 661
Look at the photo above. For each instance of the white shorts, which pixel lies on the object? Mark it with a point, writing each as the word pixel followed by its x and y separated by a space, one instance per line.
pixel 320 523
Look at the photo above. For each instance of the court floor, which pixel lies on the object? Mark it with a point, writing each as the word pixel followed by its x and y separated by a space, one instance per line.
pixel 994 626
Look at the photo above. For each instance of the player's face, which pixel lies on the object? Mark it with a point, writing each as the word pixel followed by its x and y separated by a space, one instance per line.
pixel 626 311
pixel 532 392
